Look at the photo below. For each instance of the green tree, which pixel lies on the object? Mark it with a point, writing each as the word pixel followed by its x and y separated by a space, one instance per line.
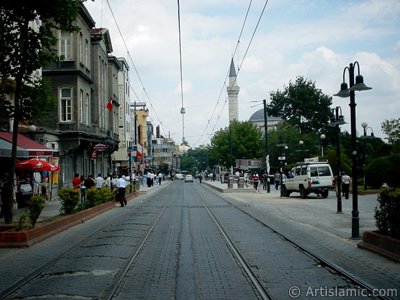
pixel 28 43
pixel 302 105
pixel 239 140
pixel 392 130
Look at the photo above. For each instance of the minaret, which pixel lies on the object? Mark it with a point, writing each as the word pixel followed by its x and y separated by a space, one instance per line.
pixel 233 92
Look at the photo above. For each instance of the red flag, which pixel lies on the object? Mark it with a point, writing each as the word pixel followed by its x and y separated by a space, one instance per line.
pixel 110 105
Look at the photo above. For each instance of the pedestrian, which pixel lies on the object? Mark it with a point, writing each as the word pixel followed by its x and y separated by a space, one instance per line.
pixel 76 181
pixel 89 182
pixel 99 181
pixel 37 180
pixel 277 179
pixel 265 180
pixel 121 186
pixel 256 180
pixel 346 185
pixel 160 178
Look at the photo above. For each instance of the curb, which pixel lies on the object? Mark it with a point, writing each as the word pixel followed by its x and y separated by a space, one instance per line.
pixel 227 190
pixel 381 244
pixel 29 237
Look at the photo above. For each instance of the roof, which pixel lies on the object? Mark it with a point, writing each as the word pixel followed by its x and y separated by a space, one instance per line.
pixel 232 71
pixel 33 147
pixel 6 148
pixel 258 116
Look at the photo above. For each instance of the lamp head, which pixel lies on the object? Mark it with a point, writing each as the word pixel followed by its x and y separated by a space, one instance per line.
pixel 344 91
pixel 340 120
pixel 360 85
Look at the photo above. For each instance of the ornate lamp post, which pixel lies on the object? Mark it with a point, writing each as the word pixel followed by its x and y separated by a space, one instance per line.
pixel 322 137
pixel 267 167
pixel 337 120
pixel 282 159
pixel 365 126
pixel 344 93
pixel 301 144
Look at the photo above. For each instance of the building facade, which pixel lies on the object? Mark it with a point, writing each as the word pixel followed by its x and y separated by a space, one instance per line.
pixel 82 83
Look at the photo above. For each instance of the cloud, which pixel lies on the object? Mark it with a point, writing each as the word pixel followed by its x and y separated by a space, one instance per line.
pixel 314 39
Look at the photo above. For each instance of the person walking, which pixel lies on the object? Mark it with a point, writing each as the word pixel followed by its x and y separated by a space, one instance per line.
pixel 99 181
pixel 121 186
pixel 256 180
pixel 277 179
pixel 76 181
pixel 89 182
pixel 346 185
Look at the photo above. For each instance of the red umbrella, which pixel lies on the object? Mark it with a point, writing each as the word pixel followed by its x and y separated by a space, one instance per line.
pixel 37 164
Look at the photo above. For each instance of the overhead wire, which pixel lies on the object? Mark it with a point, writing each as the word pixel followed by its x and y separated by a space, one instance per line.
pixel 181 71
pixel 241 63
pixel 227 74
pixel 134 67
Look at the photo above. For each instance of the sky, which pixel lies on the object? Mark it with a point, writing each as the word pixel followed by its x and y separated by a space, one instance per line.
pixel 271 43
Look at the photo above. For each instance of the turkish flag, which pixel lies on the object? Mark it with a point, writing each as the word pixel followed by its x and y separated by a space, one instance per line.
pixel 110 105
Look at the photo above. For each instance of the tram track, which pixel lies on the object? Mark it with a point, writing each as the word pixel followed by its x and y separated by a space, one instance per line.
pixel 12 291
pixel 371 290
pixel 259 285
pixel 252 277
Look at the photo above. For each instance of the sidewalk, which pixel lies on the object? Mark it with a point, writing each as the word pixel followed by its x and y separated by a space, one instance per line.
pixel 52 208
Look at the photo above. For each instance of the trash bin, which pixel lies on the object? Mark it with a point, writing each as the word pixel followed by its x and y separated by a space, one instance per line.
pixel 230 182
pixel 241 182
pixel 137 185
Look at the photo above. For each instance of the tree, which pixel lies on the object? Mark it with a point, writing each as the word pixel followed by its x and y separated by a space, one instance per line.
pixel 27 44
pixel 239 140
pixel 302 105
pixel 392 129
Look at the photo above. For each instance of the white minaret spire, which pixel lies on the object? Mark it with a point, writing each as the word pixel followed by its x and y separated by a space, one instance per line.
pixel 233 92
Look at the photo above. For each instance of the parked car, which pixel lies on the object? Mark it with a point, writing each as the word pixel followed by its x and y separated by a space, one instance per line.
pixel 310 177
pixel 188 178
pixel 179 176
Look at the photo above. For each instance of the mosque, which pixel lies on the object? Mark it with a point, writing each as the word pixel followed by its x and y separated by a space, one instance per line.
pixel 257 117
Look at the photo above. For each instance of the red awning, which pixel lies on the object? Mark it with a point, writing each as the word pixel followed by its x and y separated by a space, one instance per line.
pixel 33 147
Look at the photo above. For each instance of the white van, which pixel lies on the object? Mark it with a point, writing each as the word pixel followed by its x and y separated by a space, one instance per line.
pixel 309 177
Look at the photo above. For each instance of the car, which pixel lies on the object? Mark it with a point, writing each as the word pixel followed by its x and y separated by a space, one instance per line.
pixel 309 177
pixel 179 176
pixel 188 178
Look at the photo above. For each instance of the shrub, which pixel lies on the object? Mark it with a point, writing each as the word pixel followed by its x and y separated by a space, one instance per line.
pixel 384 170
pixel 95 197
pixel 69 200
pixel 24 221
pixel 35 206
pixel 387 214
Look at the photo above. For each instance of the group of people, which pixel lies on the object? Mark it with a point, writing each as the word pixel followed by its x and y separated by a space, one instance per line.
pixel 118 184
pixel 153 178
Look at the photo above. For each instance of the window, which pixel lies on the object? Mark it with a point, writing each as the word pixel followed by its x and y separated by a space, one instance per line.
pixel 87 109
pixel 86 61
pixel 81 106
pixel 65 105
pixel 324 171
pixel 81 58
pixel 65 45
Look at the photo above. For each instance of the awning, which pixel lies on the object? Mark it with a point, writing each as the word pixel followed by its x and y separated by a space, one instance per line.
pixel 33 147
pixel 6 148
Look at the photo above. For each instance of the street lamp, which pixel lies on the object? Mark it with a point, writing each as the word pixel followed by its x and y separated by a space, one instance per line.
pixel 266 143
pixel 301 144
pixel 365 126
pixel 337 120
pixel 282 159
pixel 322 137
pixel 344 93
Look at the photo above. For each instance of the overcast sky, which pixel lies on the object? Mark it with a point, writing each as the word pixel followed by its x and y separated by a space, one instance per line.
pixel 315 39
